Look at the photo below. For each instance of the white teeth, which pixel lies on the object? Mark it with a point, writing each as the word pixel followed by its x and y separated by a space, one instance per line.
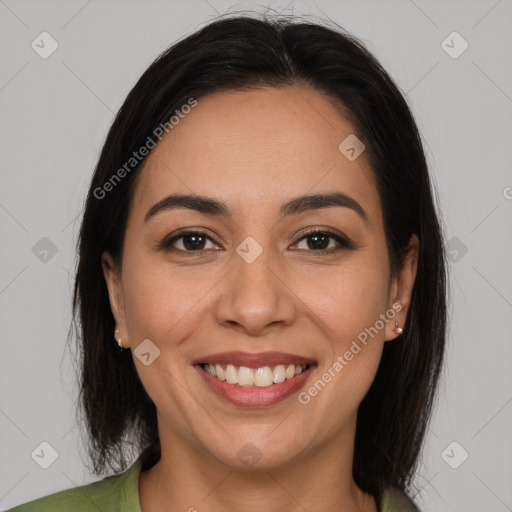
pixel 231 374
pixel 263 377
pixel 245 376
pixel 209 368
pixel 221 374
pixel 290 371
pixel 279 374
pixel 260 377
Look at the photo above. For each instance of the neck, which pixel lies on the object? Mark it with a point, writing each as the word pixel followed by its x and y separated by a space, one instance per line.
pixel 185 479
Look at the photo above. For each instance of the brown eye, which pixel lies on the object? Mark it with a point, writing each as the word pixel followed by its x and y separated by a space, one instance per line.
pixel 190 241
pixel 317 240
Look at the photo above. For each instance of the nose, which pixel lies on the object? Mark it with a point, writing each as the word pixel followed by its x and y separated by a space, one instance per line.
pixel 255 297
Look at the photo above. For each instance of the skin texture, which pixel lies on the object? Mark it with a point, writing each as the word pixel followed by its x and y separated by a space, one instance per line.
pixel 254 151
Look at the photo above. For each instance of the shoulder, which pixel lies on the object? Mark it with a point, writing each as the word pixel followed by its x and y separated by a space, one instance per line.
pixel 395 500
pixel 115 492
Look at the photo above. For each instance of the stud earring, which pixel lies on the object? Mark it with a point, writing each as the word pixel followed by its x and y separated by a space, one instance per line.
pixel 398 330
pixel 119 341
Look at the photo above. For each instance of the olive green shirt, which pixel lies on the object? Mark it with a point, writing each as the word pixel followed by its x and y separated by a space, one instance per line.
pixel 120 493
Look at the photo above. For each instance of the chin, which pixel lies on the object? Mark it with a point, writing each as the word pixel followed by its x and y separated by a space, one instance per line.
pixel 255 453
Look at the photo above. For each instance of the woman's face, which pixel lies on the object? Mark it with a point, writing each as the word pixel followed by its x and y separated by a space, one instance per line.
pixel 250 281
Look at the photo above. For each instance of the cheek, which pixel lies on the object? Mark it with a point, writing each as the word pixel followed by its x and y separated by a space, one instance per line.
pixel 349 306
pixel 347 299
pixel 352 306
pixel 162 303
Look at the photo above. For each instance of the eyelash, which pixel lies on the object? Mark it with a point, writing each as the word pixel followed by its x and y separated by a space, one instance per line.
pixel 344 243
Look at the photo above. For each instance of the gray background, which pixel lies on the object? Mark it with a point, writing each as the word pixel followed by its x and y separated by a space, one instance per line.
pixel 56 113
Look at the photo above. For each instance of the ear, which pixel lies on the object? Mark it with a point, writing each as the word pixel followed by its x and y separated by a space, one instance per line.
pixel 115 292
pixel 401 288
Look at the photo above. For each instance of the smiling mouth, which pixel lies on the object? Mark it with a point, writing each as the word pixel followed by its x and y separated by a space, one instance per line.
pixel 262 377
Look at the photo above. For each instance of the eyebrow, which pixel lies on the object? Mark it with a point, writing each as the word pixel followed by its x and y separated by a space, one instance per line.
pixel 211 206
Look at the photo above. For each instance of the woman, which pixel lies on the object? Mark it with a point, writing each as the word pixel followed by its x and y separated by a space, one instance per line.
pixel 260 239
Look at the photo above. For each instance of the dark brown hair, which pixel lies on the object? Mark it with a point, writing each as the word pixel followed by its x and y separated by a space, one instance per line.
pixel 239 53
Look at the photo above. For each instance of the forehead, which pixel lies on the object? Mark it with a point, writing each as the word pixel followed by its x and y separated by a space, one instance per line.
pixel 258 146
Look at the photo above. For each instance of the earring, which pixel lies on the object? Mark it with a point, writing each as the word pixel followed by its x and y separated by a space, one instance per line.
pixel 119 341
pixel 398 330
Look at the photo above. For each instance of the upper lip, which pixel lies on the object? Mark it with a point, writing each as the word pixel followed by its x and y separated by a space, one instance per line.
pixel 254 360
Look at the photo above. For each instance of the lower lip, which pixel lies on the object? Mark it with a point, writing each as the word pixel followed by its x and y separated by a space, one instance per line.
pixel 254 396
